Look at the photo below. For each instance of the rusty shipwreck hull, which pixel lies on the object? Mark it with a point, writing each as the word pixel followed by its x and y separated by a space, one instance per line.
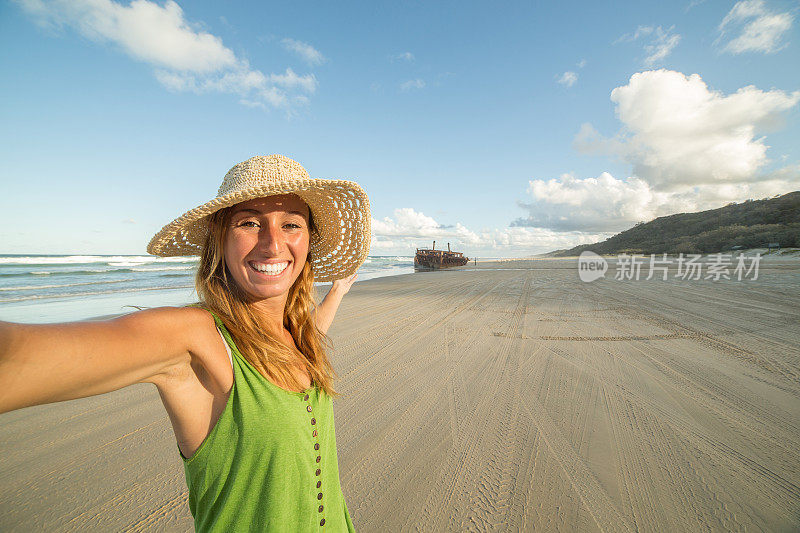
pixel 433 259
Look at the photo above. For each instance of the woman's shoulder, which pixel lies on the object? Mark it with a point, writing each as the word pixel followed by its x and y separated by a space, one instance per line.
pixel 188 319
pixel 193 312
pixel 191 329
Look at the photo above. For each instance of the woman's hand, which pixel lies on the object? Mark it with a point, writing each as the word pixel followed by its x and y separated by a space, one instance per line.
pixel 326 310
pixel 343 285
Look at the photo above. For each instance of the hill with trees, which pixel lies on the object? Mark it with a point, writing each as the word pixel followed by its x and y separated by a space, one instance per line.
pixel 750 224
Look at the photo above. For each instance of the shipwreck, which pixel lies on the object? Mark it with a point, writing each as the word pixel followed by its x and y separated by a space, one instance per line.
pixel 433 259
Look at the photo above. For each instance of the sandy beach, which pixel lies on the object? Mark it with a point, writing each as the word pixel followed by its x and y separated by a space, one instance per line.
pixel 506 397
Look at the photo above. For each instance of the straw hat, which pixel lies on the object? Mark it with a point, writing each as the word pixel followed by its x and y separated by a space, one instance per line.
pixel 340 209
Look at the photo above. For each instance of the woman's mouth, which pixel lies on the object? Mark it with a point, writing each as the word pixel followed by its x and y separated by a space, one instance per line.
pixel 269 269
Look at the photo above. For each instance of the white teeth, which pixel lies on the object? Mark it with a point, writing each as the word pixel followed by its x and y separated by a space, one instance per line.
pixel 272 269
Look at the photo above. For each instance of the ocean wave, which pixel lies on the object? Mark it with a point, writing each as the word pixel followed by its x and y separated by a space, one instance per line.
pixel 162 269
pixel 51 260
pixel 58 273
pixel 122 260
pixel 37 287
pixel 93 272
pixel 92 293
pixel 389 258
pixel 25 274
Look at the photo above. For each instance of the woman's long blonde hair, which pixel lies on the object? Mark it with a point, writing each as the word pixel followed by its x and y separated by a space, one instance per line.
pixel 268 353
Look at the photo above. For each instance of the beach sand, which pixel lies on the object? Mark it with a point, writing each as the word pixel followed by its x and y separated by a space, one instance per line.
pixel 508 397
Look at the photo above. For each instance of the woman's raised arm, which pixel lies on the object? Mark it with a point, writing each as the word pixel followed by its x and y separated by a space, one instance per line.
pixel 55 362
pixel 326 310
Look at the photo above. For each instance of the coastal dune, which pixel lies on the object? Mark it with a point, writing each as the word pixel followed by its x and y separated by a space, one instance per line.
pixel 510 396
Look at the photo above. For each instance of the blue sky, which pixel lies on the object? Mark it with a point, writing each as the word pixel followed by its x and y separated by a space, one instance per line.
pixel 506 129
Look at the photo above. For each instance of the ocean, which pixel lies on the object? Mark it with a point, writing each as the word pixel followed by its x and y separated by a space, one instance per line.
pixel 57 288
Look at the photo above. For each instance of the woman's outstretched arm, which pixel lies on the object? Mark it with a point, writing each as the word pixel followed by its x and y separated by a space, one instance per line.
pixel 55 362
pixel 326 310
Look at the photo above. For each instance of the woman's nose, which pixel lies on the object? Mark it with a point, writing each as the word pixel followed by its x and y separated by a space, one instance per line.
pixel 271 238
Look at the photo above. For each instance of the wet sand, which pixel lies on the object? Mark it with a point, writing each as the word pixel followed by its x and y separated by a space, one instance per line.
pixel 507 397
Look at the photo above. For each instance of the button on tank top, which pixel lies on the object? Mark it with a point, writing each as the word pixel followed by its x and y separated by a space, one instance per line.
pixel 269 463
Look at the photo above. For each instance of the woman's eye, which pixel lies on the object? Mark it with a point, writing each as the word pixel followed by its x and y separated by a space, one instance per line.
pixel 250 224
pixel 292 225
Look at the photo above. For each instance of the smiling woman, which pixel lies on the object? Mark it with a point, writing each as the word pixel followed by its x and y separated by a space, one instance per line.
pixel 257 265
pixel 266 244
pixel 243 374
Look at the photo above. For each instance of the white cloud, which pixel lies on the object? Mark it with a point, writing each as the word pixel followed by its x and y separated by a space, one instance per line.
pixel 581 63
pixel 227 24
pixel 408 222
pixel 691 149
pixel 662 42
pixel 290 80
pixel 144 30
pixel 603 203
pixel 641 31
pixel 412 84
pixel 760 30
pixel 308 53
pixel 679 132
pixel 661 46
pixel 609 204
pixel 250 103
pixel 693 4
pixel 183 58
pixel 568 79
pixel 405 56
pixel 410 229
pixel 518 241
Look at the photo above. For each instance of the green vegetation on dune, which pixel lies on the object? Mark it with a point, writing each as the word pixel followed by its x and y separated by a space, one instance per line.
pixel 750 224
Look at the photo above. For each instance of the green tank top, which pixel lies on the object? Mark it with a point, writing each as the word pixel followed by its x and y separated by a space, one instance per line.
pixel 269 463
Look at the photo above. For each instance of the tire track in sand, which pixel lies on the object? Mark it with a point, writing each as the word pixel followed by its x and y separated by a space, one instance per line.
pixel 440 507
pixel 595 499
pixel 491 501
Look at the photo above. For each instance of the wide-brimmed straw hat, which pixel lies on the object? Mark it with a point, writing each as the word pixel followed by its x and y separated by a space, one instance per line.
pixel 340 210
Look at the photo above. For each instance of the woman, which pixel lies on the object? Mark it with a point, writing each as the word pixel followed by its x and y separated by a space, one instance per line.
pixel 243 374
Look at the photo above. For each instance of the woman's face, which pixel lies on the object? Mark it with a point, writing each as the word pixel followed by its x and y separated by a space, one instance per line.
pixel 266 245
